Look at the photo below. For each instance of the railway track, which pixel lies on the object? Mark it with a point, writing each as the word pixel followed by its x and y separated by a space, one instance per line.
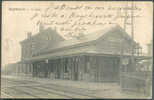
pixel 30 89
pixel 19 89
pixel 6 83
pixel 48 92
pixel 61 93
pixel 31 92
pixel 77 91
pixel 19 81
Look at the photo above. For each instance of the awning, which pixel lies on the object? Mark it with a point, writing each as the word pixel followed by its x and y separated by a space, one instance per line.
pixel 77 52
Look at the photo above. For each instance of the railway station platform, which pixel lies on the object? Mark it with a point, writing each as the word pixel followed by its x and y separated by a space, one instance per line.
pixel 101 90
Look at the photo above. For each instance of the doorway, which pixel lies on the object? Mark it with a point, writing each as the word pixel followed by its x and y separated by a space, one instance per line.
pixel 109 69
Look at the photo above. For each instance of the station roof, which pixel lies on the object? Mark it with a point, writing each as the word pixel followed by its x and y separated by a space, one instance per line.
pixel 59 49
pixel 83 40
pixel 47 31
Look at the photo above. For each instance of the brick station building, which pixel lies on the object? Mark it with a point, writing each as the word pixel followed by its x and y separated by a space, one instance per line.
pixel 92 57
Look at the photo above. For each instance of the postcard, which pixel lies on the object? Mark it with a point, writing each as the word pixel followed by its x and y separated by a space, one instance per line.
pixel 77 49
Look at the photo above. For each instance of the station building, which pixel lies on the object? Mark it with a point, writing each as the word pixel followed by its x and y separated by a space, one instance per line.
pixel 93 57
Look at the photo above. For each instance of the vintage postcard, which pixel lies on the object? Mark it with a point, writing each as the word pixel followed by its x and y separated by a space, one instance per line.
pixel 77 49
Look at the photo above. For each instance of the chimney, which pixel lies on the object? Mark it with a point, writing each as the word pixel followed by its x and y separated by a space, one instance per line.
pixel 29 34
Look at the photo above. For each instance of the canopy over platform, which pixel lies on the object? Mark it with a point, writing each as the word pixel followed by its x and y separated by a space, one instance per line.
pixel 66 54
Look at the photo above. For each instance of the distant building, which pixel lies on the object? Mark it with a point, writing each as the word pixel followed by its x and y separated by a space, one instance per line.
pixel 150 49
pixel 94 57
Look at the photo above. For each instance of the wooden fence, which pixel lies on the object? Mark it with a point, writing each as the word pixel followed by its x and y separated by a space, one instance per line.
pixel 139 82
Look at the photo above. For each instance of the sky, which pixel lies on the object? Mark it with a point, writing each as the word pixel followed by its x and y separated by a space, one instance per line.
pixel 16 23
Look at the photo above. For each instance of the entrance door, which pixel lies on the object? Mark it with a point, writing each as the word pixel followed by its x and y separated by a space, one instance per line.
pixel 109 70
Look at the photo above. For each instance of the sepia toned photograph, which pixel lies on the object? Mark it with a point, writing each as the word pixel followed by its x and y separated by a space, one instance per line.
pixel 77 49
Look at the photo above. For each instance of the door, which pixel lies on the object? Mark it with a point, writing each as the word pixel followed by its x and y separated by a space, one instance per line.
pixel 109 69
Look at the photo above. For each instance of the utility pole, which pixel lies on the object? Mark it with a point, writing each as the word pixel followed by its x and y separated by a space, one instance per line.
pixel 126 17
pixel 132 34
pixel 132 28
pixel 121 44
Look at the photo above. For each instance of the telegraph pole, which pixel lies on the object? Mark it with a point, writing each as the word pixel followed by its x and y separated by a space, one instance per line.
pixel 121 42
pixel 132 36
pixel 126 17
pixel 132 33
